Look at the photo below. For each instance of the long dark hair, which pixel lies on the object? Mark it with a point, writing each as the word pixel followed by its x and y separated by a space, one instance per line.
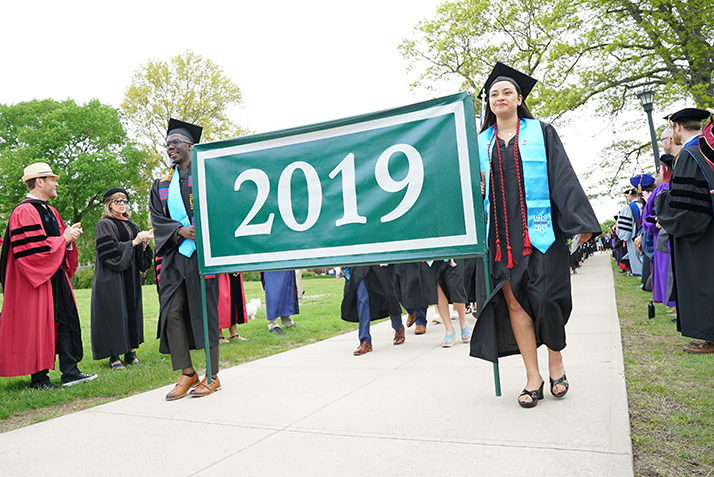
pixel 522 110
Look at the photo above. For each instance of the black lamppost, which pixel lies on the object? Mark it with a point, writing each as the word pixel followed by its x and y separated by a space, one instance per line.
pixel 646 97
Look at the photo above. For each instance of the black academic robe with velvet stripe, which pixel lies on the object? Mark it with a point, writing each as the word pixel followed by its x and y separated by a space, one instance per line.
pixel 117 314
pixel 686 212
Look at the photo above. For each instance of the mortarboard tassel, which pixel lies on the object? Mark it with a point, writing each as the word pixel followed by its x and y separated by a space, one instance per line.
pixel 526 243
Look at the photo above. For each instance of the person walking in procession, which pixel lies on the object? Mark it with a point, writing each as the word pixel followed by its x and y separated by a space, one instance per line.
pixel 180 314
pixel 533 201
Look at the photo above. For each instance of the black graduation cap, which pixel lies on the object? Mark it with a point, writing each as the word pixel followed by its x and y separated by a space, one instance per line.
pixel 189 130
pixel 688 114
pixel 500 72
pixel 667 160
pixel 114 190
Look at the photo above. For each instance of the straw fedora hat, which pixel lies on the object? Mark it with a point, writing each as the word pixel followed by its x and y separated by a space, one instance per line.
pixel 38 169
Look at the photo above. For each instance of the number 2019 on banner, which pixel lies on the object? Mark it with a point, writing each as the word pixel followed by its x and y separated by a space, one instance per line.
pixel 413 182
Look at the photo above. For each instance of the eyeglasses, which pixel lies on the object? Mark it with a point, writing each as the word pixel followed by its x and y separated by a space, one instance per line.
pixel 121 201
pixel 175 142
pixel 662 139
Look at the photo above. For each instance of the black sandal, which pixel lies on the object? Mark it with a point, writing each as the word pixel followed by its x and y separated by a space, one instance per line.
pixel 115 363
pixel 535 396
pixel 563 382
pixel 131 359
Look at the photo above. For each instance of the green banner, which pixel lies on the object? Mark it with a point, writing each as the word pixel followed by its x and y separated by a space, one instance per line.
pixel 394 186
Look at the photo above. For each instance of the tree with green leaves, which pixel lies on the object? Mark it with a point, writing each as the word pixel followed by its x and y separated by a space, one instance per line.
pixel 594 52
pixel 607 226
pixel 188 87
pixel 86 145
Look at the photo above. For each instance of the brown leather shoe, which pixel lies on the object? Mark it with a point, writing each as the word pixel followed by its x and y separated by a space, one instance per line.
pixel 706 348
pixel 181 389
pixel 420 330
pixel 411 319
pixel 399 336
pixel 364 348
pixel 696 342
pixel 204 389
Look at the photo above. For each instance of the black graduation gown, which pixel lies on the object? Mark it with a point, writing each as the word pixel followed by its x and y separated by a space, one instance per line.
pixel 620 251
pixel 540 281
pixel 415 285
pixel 383 301
pixel 177 269
pixel 474 282
pixel 117 314
pixel 237 294
pixel 686 212
pixel 452 279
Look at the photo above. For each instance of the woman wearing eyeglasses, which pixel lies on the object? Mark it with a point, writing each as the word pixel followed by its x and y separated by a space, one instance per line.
pixel 123 252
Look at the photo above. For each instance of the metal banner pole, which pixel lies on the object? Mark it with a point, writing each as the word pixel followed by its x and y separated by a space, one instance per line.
pixel 205 329
pixel 487 281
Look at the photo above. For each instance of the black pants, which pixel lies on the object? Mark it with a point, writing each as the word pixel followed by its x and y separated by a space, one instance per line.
pixel 176 335
pixel 65 348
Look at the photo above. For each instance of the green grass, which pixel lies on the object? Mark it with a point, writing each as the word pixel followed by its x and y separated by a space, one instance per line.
pixel 319 319
pixel 670 392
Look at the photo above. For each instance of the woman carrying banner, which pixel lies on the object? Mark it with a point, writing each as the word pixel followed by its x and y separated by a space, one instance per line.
pixel 533 201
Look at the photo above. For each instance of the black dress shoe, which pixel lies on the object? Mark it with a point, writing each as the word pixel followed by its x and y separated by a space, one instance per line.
pixel 277 330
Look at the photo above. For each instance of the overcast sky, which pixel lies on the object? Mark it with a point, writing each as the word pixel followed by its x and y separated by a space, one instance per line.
pixel 296 63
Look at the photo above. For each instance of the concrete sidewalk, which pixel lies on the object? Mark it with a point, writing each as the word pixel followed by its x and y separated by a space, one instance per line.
pixel 414 409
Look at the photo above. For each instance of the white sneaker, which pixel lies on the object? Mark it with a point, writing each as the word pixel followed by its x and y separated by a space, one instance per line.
pixel 436 319
pixel 82 377
pixel 454 314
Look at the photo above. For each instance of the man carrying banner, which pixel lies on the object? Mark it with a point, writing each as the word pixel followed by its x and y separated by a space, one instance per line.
pixel 180 319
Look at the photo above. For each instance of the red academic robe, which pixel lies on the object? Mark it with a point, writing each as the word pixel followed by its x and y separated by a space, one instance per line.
pixel 27 322
pixel 230 302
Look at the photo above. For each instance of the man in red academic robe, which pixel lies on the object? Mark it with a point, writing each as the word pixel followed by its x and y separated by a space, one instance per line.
pixel 39 315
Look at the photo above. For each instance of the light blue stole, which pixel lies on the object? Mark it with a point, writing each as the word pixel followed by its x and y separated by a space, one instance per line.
pixel 531 145
pixel 177 210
